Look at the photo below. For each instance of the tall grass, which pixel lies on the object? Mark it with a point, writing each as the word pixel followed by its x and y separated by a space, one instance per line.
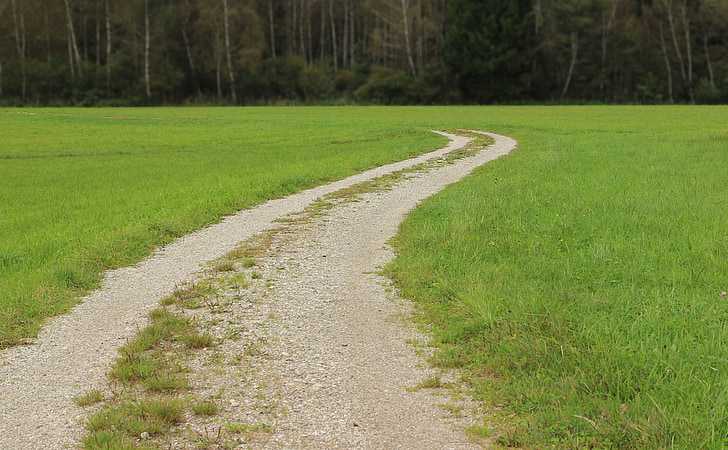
pixel 578 281
pixel 83 190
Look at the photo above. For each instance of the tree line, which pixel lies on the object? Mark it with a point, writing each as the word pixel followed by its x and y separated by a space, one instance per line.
pixel 382 51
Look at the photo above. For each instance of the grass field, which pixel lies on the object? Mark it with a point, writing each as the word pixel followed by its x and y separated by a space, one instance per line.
pixel 577 282
pixel 82 190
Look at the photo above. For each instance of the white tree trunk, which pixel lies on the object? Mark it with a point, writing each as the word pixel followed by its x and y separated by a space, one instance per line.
pixel 46 22
pixel 147 45
pixel 20 45
pixel 231 72
pixel 309 35
pixel 668 66
pixel 108 46
pixel 709 62
pixel 345 36
pixel 688 50
pixel 218 62
pixel 607 23
pixel 272 25
pixel 71 63
pixel 538 16
pixel 405 20
pixel 673 33
pixel 352 38
pixel 72 38
pixel 188 50
pixel 572 65
pixel 322 34
pixel 301 30
pixel 98 35
pixel 333 36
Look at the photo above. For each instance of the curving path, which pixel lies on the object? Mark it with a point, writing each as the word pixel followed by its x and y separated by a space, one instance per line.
pixel 74 351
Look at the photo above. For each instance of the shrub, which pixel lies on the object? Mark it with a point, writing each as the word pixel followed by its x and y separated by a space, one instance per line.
pixel 386 86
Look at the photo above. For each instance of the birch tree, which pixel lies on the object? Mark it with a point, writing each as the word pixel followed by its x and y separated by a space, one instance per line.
pixel 406 29
pixel 334 52
pixel 147 49
pixel 107 19
pixel 20 44
pixel 272 27
pixel 228 52
pixel 75 55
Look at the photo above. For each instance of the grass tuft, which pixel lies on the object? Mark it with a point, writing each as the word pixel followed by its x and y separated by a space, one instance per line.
pixel 428 383
pixel 130 419
pixel 224 266
pixel 166 382
pixel 205 408
pixel 198 340
pixel 91 397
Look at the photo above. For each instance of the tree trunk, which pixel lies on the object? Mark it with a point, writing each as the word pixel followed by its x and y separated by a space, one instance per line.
pixel 98 35
pixel 668 67
pixel 190 58
pixel 673 32
pixel 688 50
pixel 291 35
pixel 333 35
pixel 345 36
pixel 309 34
pixel 538 16
pixel 108 46
pixel 572 65
pixel 218 62
pixel 84 36
pixel 322 35
pixel 228 52
pixel 272 25
pixel 405 20
pixel 71 63
pixel 72 38
pixel 301 30
pixel 1 79
pixel 607 23
pixel 352 36
pixel 147 45
pixel 188 50
pixel 708 61
pixel 46 22
pixel 420 37
pixel 20 45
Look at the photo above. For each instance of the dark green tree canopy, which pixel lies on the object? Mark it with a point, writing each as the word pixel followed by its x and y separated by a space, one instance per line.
pixel 130 52
pixel 486 44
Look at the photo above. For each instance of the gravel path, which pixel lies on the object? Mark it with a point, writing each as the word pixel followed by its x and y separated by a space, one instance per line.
pixel 338 361
pixel 331 295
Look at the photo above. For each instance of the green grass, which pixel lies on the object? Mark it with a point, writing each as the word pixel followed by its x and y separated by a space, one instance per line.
pixel 155 389
pixel 119 425
pixel 83 190
pixel 205 408
pixel 577 281
pixel 143 359
pixel 89 398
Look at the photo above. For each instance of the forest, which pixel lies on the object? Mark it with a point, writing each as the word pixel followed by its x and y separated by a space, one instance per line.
pixel 139 52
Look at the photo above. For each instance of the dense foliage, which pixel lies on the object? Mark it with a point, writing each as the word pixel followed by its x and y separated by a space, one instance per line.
pixel 388 51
